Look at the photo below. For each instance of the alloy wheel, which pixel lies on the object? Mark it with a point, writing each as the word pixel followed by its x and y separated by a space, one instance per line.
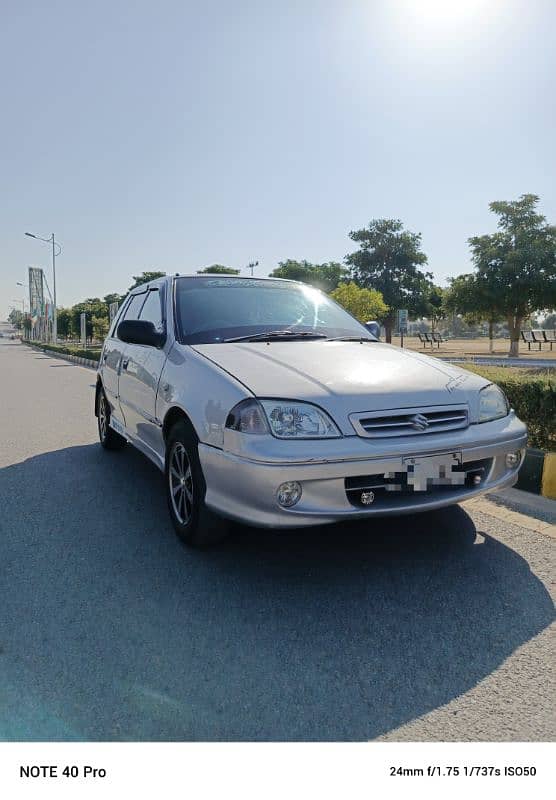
pixel 181 483
pixel 103 416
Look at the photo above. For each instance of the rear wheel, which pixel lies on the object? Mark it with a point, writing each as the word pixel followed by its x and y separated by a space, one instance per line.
pixel 109 439
pixel 193 522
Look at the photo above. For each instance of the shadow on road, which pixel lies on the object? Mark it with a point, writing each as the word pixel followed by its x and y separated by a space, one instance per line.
pixel 110 629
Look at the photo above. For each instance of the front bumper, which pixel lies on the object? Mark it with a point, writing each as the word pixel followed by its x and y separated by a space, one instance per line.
pixel 243 487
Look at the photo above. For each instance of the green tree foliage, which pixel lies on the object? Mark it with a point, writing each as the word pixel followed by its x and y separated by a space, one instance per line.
pixel 363 304
pixel 436 309
pixel 114 297
pixel 389 260
pixel 64 318
pixel 473 297
pixel 145 277
pixel 218 269
pixel 93 307
pixel 15 317
pixel 325 276
pixel 100 327
pixel 517 263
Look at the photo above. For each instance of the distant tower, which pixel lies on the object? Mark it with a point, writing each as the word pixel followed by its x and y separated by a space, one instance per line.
pixel 252 265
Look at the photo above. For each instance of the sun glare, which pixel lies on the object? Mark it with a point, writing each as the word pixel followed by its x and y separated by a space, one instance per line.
pixel 446 13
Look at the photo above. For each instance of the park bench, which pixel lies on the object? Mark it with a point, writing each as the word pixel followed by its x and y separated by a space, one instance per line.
pixel 549 337
pixel 424 338
pixel 438 339
pixel 538 338
pixel 529 339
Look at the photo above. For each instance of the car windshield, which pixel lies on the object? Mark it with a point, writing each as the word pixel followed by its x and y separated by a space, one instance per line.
pixel 214 310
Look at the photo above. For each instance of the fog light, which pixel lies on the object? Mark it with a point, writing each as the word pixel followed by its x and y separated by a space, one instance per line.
pixel 513 459
pixel 288 493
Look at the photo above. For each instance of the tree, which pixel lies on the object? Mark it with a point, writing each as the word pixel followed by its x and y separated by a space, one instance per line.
pixel 64 317
pixel 550 322
pixel 100 326
pixel 218 269
pixel 388 260
pixel 475 299
pixel 518 262
pixel 325 276
pixel 92 307
pixel 15 317
pixel 145 277
pixel 435 306
pixel 363 304
pixel 114 297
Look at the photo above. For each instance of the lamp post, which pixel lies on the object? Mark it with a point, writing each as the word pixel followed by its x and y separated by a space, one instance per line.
pixel 252 265
pixel 24 285
pixel 55 245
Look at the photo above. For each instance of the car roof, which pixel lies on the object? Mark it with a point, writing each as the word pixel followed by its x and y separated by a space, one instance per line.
pixel 167 278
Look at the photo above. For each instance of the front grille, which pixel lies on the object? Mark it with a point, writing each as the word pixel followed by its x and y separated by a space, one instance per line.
pixel 409 421
pixel 392 485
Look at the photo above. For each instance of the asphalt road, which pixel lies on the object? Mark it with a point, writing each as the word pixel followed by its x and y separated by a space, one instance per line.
pixel 434 627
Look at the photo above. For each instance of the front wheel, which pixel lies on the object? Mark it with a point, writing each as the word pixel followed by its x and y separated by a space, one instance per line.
pixel 193 522
pixel 109 439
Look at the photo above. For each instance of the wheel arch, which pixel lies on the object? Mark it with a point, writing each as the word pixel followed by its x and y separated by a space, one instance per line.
pixel 174 415
pixel 98 388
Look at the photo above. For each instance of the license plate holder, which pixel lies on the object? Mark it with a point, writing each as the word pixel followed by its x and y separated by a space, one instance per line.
pixel 436 469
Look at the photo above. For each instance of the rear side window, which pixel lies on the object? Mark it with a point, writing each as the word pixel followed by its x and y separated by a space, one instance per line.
pixel 152 311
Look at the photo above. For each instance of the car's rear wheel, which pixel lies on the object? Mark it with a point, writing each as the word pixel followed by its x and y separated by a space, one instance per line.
pixel 109 439
pixel 193 522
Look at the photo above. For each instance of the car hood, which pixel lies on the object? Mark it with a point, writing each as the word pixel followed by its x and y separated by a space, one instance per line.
pixel 345 377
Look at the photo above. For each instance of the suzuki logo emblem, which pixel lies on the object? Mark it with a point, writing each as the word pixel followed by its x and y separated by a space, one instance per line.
pixel 420 422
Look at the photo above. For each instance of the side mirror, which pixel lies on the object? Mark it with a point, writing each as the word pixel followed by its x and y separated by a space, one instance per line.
pixel 374 328
pixel 139 331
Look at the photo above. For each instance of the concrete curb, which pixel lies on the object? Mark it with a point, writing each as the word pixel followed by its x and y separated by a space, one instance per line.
pixel 82 362
pixel 538 473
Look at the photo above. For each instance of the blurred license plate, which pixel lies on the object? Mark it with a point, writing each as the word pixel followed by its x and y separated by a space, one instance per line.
pixel 424 472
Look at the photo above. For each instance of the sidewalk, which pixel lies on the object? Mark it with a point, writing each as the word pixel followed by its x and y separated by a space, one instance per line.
pixel 513 506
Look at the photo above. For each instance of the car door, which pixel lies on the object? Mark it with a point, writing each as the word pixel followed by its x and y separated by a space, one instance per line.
pixel 112 354
pixel 139 377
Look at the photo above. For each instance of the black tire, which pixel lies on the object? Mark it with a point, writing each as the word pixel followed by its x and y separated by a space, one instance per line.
pixel 193 522
pixel 109 439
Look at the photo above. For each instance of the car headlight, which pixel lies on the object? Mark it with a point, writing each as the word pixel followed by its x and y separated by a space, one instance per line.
pixel 282 418
pixel 289 420
pixel 493 403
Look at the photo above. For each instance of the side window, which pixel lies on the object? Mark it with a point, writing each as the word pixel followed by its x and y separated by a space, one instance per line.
pixel 152 311
pixel 134 307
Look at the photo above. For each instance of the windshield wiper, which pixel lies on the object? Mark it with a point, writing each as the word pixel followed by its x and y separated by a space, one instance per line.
pixel 253 337
pixel 351 339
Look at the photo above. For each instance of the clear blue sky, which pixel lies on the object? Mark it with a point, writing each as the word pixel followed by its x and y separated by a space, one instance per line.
pixel 173 135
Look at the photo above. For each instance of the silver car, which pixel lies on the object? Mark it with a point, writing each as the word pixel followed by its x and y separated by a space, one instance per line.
pixel 263 401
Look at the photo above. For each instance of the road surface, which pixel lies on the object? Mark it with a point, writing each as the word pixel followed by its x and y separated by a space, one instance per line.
pixel 435 627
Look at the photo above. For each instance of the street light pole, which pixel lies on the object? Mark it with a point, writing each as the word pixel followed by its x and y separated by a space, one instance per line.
pixel 24 286
pixel 51 240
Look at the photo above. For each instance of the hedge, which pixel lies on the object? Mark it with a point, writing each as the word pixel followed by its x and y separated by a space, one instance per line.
pixel 532 394
pixel 93 355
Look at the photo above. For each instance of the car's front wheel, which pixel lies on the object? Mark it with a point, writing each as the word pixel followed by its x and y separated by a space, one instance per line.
pixel 109 439
pixel 194 523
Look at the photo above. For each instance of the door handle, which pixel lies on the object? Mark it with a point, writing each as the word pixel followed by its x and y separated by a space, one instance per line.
pixel 125 362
